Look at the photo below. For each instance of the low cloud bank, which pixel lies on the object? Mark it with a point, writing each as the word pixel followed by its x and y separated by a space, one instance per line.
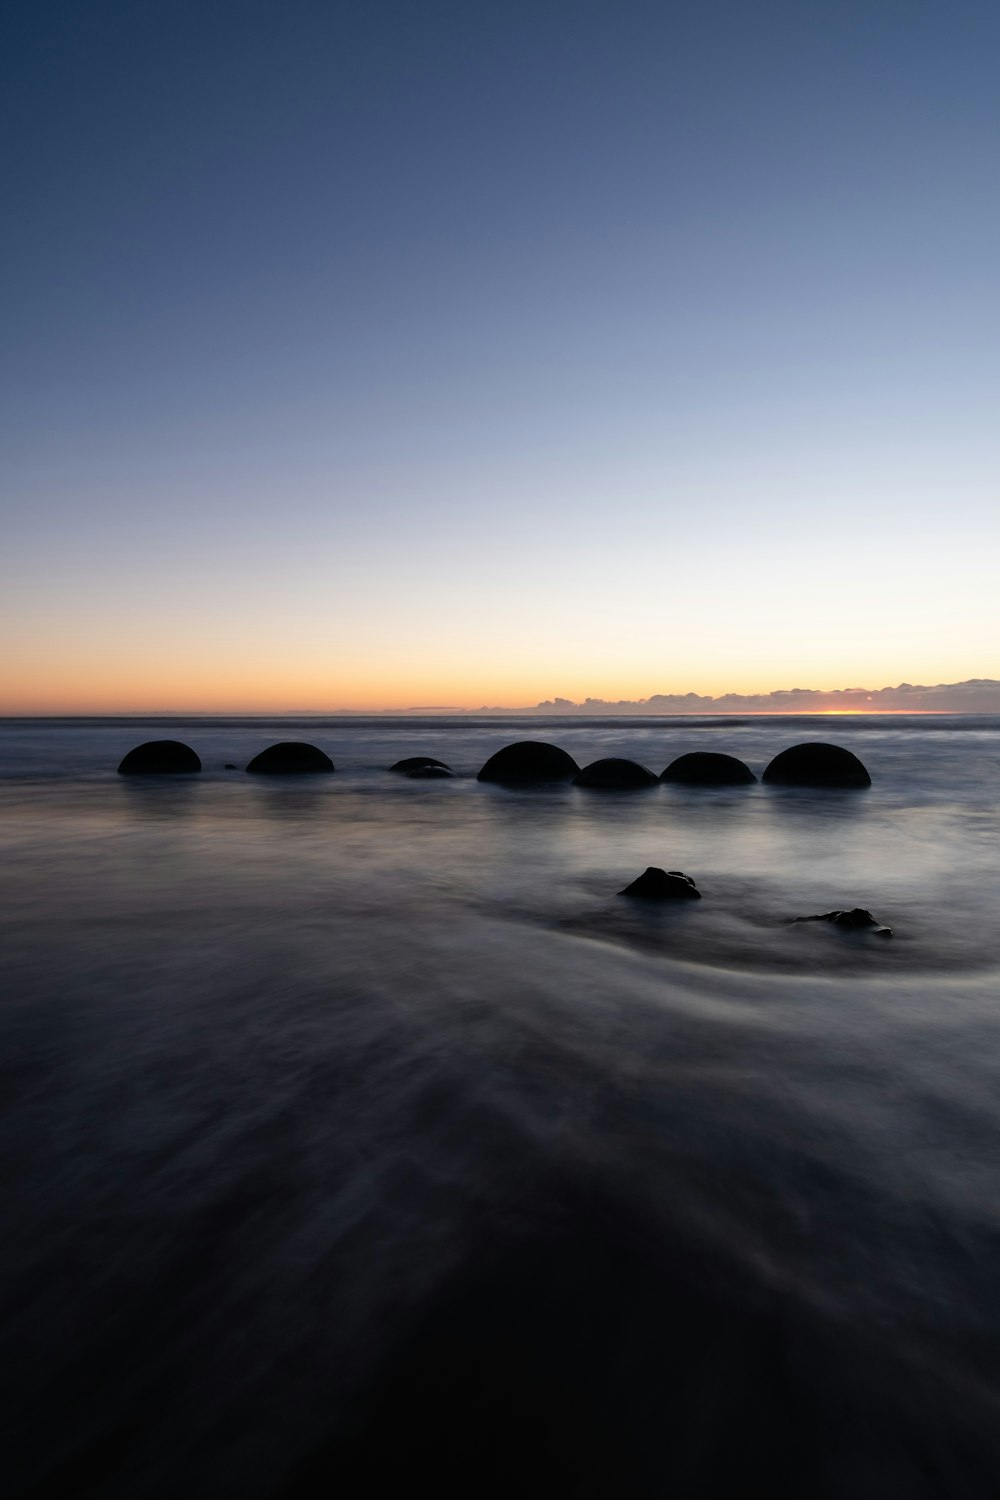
pixel 980 695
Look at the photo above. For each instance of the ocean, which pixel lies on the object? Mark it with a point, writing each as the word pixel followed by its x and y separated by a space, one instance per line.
pixel 358 1134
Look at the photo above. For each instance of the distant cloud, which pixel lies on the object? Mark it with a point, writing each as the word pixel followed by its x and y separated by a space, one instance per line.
pixel 980 695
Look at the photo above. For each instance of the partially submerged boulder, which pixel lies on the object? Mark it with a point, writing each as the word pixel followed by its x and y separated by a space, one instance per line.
pixel 816 764
pixel 708 768
pixel 857 919
pixel 160 758
pixel 415 765
pixel 290 758
pixel 528 761
pixel 430 773
pixel 615 774
pixel 655 884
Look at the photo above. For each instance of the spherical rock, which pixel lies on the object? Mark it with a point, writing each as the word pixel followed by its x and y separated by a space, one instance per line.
pixel 816 764
pixel 430 773
pixel 708 768
pixel 160 758
pixel 615 774
pixel 527 761
pixel 419 763
pixel 655 884
pixel 290 758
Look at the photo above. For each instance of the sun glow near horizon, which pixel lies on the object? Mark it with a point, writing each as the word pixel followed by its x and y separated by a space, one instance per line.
pixel 501 630
pixel 153 682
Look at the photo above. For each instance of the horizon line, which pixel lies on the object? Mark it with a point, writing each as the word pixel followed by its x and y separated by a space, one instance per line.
pixel 486 713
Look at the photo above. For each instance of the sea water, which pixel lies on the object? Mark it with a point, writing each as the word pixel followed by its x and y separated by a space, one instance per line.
pixel 359 1133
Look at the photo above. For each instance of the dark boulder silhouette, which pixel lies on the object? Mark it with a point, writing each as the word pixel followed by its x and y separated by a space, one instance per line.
pixel 655 884
pixel 816 764
pixel 431 773
pixel 615 774
pixel 290 758
pixel 527 761
pixel 230 766
pixel 417 764
pixel 708 768
pixel 160 758
pixel 857 919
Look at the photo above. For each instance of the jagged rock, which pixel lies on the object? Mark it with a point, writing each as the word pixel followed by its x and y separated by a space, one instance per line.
pixel 857 918
pixel 615 774
pixel 708 768
pixel 817 764
pixel 415 765
pixel 527 761
pixel 160 758
pixel 290 758
pixel 655 884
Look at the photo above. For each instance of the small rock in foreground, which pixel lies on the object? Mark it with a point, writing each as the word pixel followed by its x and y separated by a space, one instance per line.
pixel 655 884
pixel 160 758
pixel 857 918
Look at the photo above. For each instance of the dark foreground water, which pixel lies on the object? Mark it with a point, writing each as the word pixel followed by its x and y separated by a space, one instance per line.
pixel 358 1135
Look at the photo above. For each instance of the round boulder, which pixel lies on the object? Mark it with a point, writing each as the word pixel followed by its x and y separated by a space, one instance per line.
pixel 290 758
pixel 708 768
pixel 816 764
pixel 655 884
pixel 417 764
pixel 528 761
pixel 615 775
pixel 430 773
pixel 160 758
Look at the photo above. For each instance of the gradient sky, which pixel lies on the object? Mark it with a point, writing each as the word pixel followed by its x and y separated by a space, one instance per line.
pixel 378 354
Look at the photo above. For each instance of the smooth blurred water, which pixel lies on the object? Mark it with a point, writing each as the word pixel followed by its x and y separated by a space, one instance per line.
pixel 357 1128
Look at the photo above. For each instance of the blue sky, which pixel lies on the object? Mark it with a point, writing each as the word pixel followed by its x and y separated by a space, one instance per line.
pixel 370 354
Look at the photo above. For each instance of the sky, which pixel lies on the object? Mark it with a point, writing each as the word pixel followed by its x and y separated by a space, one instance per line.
pixel 369 355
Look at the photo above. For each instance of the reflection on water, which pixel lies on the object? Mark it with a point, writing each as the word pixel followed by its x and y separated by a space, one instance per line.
pixel 361 1130
pixel 167 797
pixel 301 797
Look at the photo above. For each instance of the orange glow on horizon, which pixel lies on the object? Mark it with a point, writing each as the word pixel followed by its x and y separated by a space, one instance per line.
pixel 132 676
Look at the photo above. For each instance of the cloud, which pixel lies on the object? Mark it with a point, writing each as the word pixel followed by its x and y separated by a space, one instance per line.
pixel 979 695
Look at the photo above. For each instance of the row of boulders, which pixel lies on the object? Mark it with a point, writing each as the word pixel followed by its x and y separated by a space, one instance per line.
pixel 813 764
pixel 530 762
pixel 534 761
pixel 288 758
pixel 174 758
